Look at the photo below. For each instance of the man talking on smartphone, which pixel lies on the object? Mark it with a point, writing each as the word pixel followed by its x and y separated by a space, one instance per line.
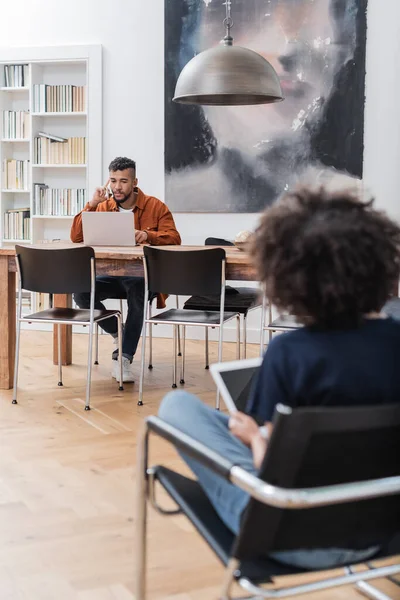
pixel 154 224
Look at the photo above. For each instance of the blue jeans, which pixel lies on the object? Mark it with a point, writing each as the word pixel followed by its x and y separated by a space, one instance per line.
pixel 131 288
pixel 187 413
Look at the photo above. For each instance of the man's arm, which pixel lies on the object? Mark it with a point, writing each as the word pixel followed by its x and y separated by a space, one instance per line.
pixel 166 233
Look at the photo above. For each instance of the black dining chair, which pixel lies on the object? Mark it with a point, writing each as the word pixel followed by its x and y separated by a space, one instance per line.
pixel 239 299
pixel 330 479
pixel 274 325
pixel 184 272
pixel 61 271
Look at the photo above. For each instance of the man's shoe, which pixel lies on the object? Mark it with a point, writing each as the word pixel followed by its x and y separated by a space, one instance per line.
pixel 127 374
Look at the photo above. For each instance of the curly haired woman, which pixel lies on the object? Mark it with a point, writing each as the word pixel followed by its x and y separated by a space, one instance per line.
pixel 332 261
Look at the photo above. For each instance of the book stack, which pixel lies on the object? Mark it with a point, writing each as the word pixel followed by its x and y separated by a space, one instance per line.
pixel 17 224
pixel 59 98
pixel 42 301
pixel 72 151
pixel 16 124
pixel 15 174
pixel 57 202
pixel 16 75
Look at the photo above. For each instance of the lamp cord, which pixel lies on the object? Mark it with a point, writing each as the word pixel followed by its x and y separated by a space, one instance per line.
pixel 228 22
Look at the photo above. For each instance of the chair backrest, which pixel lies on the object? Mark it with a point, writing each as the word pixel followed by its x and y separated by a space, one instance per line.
pixel 212 241
pixel 313 447
pixel 55 271
pixel 184 272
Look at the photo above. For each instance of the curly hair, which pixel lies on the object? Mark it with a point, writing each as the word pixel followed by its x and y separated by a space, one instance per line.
pixel 327 258
pixel 121 163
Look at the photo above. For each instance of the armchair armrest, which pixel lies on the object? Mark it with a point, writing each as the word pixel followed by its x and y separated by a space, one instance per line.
pixel 208 458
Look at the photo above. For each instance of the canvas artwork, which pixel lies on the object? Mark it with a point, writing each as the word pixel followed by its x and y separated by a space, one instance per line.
pixel 240 159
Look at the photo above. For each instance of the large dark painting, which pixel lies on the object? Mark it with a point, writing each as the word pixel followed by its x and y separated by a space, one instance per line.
pixel 240 159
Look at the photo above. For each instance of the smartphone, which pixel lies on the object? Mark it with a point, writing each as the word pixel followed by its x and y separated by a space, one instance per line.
pixel 109 192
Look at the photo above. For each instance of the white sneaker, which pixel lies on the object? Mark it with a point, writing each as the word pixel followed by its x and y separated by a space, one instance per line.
pixel 127 374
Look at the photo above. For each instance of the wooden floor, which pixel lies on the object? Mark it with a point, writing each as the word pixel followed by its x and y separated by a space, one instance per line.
pixel 67 482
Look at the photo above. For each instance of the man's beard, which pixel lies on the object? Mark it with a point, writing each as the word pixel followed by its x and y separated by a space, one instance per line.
pixel 123 199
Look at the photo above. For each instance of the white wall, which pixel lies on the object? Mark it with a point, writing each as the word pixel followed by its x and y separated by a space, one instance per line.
pixel 382 121
pixel 132 35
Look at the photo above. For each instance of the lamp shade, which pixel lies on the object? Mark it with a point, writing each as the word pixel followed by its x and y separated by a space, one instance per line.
pixel 228 75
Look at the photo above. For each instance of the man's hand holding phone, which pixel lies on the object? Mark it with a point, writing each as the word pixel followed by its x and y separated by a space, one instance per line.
pixel 100 195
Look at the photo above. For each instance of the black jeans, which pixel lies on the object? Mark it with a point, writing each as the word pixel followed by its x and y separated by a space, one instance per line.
pixel 131 288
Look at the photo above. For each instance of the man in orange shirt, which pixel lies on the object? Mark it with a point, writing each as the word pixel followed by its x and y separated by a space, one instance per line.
pixel 154 224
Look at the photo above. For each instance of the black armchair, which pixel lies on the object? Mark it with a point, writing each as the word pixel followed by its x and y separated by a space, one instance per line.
pixel 330 478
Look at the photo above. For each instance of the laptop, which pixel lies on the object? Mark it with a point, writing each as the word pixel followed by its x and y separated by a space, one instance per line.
pixel 234 379
pixel 108 228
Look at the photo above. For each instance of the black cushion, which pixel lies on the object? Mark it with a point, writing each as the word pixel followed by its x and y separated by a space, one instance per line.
pixel 70 314
pixel 236 300
pixel 286 322
pixel 202 317
pixel 194 503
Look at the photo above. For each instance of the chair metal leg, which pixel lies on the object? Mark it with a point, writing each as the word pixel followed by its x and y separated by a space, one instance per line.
pixel 179 330
pixel 119 317
pixel 150 341
pixel 141 516
pixel 182 380
pixel 174 366
pixel 16 362
pixel 262 325
pixel 89 372
pixel 60 383
pixel 143 360
pixel 269 321
pixel 220 339
pixel 238 337
pixel 370 591
pixel 207 350
pixel 229 579
pixel 244 336
pixel 150 347
pixel 96 356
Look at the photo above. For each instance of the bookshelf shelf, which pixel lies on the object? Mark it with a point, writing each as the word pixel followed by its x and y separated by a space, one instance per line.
pixel 8 241
pixel 68 166
pixel 15 89
pixel 59 114
pixel 53 216
pixel 15 191
pixel 15 140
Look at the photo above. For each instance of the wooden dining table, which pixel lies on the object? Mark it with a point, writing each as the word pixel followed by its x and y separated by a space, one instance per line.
pixel 112 261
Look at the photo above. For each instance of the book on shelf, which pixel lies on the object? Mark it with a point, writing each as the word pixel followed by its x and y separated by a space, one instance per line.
pixel 42 301
pixel 57 202
pixel 15 174
pixel 17 224
pixel 59 98
pixel 16 75
pixel 73 152
pixel 53 138
pixel 16 124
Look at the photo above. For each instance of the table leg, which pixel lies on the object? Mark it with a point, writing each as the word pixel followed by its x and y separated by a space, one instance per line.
pixel 7 324
pixel 63 301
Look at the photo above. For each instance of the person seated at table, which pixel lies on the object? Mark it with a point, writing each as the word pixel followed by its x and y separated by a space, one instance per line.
pixel 154 224
pixel 332 261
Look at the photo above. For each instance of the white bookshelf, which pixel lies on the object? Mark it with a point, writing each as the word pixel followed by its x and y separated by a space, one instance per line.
pixel 51 66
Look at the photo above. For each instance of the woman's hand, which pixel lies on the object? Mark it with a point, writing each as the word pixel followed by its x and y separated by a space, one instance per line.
pixel 247 431
pixel 244 428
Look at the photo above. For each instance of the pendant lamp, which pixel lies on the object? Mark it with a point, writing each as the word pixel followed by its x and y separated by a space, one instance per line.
pixel 228 75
